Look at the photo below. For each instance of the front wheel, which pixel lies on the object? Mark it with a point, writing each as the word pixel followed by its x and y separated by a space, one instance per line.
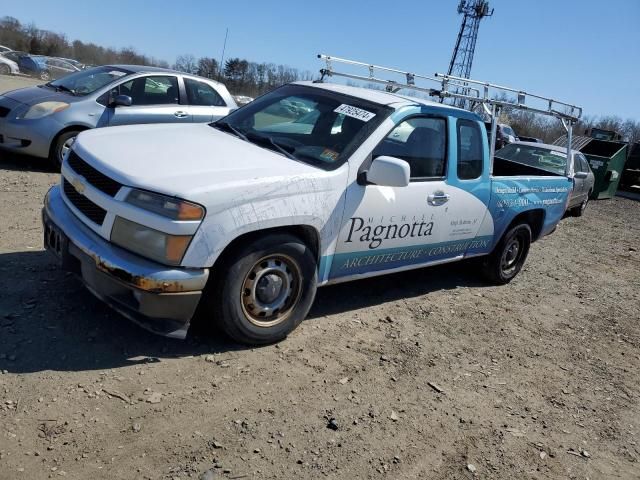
pixel 4 69
pixel 45 75
pixel 506 261
pixel 264 289
pixel 61 146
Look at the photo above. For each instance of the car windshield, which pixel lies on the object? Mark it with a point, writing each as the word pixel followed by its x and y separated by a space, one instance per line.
pixel 538 157
pixel 312 125
pixel 88 81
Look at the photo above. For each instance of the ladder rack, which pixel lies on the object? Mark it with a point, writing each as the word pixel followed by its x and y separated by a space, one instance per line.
pixel 493 98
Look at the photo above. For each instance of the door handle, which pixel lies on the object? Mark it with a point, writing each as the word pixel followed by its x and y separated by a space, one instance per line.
pixel 180 114
pixel 438 198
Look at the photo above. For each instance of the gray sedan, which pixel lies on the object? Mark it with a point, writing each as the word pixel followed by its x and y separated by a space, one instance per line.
pixel 554 159
pixel 44 120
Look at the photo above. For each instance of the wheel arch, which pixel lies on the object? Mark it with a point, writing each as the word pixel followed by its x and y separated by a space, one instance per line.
pixel 68 128
pixel 306 233
pixel 534 218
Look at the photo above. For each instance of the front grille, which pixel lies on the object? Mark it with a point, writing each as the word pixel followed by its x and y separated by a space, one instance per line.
pixel 4 111
pixel 89 209
pixel 97 179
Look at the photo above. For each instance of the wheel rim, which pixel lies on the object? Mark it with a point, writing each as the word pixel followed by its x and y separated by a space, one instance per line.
pixel 512 254
pixel 583 206
pixel 65 148
pixel 4 70
pixel 271 290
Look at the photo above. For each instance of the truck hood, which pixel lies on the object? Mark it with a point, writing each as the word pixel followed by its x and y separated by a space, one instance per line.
pixel 182 160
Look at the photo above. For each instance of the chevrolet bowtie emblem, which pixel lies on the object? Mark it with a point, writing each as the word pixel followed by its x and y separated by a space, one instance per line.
pixel 78 185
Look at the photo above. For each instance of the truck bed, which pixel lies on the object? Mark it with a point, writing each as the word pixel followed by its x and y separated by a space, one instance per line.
pixel 509 168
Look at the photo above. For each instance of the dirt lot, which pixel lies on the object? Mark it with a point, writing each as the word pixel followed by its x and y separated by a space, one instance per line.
pixel 10 82
pixel 428 374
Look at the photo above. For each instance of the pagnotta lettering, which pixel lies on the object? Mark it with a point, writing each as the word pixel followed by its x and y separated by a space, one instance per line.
pixel 375 235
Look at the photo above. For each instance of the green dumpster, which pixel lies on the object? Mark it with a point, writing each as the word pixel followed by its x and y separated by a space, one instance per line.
pixel 606 158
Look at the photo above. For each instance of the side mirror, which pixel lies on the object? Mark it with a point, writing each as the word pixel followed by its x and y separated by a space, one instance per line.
pixel 388 172
pixel 122 101
pixel 580 175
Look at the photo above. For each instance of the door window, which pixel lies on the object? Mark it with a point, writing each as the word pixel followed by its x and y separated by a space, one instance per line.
pixel 421 142
pixel 469 150
pixel 584 166
pixel 160 90
pixel 200 93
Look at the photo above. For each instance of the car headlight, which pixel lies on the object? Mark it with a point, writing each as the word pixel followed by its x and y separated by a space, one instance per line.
pixel 169 207
pixel 159 246
pixel 43 109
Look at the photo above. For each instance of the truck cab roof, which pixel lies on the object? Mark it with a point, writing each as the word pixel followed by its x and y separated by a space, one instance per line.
pixel 382 97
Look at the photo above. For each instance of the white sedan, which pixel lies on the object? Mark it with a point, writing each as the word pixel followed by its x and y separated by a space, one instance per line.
pixel 8 67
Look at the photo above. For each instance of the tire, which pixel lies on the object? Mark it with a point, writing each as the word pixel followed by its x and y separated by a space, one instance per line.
pixel 264 290
pixel 507 259
pixel 580 209
pixel 60 146
pixel 46 76
pixel 5 70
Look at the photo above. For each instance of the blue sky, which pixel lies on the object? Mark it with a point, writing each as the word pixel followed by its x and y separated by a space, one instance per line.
pixel 584 52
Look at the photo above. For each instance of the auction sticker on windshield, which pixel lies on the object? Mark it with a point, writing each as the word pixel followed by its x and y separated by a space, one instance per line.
pixel 355 112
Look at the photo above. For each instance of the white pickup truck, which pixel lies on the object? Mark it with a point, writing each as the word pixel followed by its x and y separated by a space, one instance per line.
pixel 311 184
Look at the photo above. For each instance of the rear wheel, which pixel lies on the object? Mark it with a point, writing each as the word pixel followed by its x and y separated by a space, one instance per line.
pixel 506 261
pixel 264 289
pixel 61 146
pixel 580 209
pixel 4 69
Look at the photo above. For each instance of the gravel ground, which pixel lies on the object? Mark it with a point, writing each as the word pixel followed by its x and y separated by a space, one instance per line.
pixel 428 374
pixel 10 82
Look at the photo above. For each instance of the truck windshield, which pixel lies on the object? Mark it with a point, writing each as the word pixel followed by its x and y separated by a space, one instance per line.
pixel 538 157
pixel 88 81
pixel 308 124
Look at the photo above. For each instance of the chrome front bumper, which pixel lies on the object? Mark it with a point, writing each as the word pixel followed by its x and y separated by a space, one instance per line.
pixel 159 298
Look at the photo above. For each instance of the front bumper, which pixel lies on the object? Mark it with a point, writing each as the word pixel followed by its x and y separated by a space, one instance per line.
pixel 159 298
pixel 31 137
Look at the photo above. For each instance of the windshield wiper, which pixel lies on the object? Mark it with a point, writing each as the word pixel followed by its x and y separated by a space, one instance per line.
pixel 229 128
pixel 254 138
pixel 63 88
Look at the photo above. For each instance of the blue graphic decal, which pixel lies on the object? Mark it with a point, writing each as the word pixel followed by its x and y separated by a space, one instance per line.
pixel 353 263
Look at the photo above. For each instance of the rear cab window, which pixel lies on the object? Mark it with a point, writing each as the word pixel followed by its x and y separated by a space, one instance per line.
pixel 202 94
pixel 470 149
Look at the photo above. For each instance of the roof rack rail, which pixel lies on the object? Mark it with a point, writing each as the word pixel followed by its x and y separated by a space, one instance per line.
pixel 491 97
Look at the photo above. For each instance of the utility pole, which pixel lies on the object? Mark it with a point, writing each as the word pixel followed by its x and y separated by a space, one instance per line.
pixel 224 47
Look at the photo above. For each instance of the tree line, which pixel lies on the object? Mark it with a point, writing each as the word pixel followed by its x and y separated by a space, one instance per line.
pixel 244 77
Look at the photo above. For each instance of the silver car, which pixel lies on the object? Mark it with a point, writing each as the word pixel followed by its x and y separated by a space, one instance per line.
pixel 44 120
pixel 553 158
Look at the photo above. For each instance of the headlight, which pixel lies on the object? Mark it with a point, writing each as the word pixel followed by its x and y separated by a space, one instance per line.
pixel 169 207
pixel 150 243
pixel 43 109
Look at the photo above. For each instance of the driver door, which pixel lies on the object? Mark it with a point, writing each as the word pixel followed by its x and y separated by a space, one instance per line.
pixel 395 227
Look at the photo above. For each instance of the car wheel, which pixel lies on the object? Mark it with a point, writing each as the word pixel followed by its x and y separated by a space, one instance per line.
pixel 5 70
pixel 46 76
pixel 506 261
pixel 264 289
pixel 580 209
pixel 61 147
